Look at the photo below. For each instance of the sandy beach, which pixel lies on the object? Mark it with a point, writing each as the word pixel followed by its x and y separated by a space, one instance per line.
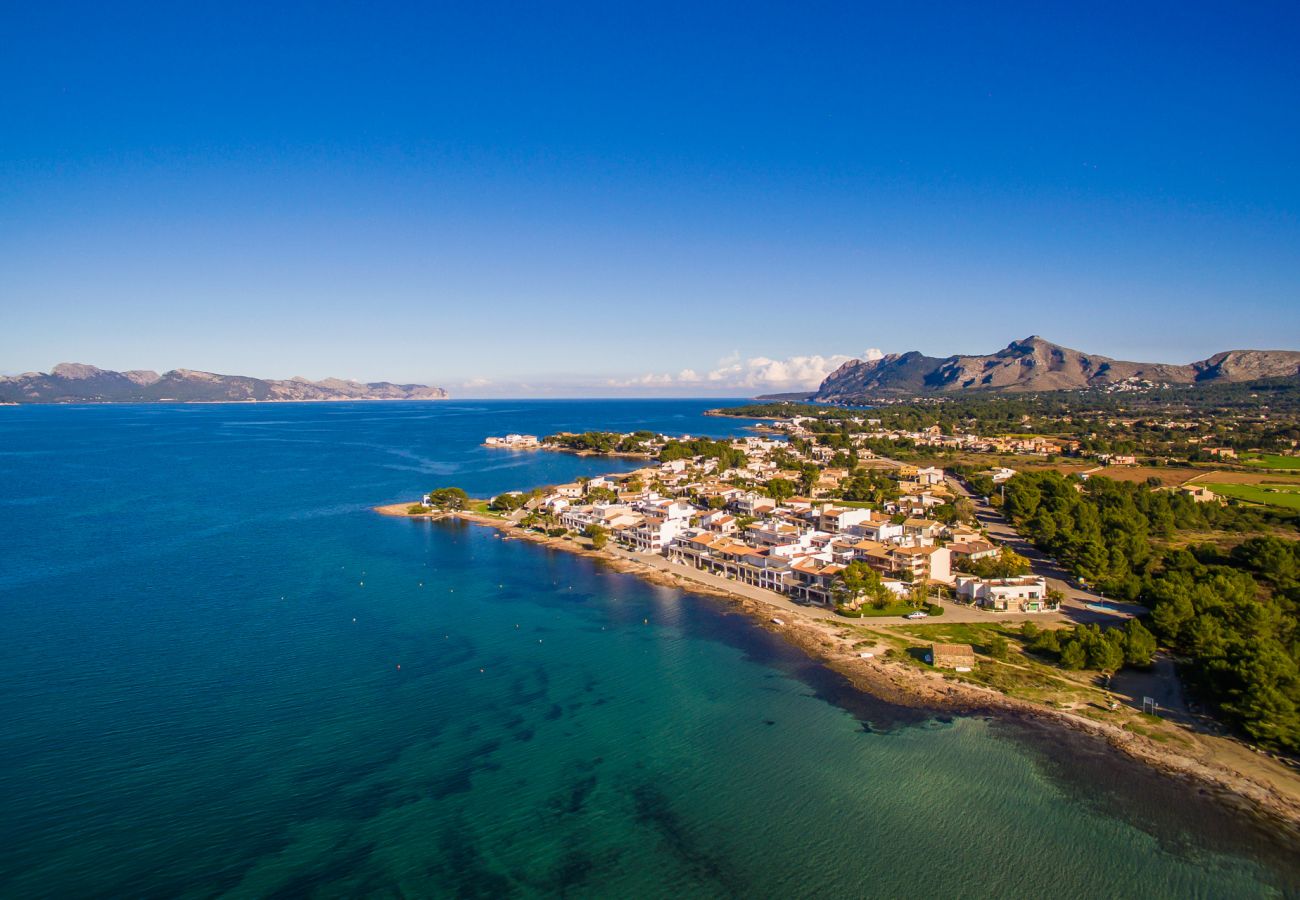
pixel 1237 775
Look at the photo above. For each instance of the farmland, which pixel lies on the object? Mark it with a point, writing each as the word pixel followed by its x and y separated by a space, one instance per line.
pixel 1274 461
pixel 1286 496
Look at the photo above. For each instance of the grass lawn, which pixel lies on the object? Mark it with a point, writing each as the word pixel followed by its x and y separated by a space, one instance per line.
pixel 1273 461
pixel 895 610
pixel 1286 496
pixel 974 633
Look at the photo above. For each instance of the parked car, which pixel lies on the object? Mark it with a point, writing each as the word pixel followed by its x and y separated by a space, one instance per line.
pixel 917 615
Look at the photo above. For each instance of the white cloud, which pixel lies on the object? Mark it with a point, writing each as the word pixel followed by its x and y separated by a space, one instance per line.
pixel 757 373
pixel 476 382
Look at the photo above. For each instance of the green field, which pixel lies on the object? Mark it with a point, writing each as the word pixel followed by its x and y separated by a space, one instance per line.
pixel 894 610
pixel 1273 461
pixel 1285 496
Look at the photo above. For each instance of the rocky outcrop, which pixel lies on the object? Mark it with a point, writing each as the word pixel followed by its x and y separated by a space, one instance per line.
pixel 1035 364
pixel 80 383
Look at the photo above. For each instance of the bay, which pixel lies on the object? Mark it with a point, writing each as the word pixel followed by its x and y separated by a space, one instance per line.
pixel 223 675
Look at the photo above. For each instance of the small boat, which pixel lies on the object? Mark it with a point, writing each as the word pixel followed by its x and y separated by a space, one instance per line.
pixel 776 621
pixel 866 654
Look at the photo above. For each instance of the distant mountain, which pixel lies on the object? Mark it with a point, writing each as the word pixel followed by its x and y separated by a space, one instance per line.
pixel 78 383
pixel 1035 364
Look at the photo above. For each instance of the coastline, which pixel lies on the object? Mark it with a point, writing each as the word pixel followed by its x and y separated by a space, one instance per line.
pixel 171 401
pixel 827 641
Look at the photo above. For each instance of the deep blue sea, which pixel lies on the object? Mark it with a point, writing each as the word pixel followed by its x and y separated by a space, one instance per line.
pixel 223 675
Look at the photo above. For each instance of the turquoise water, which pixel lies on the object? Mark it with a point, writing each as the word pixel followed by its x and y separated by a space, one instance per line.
pixel 223 675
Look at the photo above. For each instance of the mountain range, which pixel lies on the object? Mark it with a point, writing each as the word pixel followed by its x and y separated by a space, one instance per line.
pixel 1035 364
pixel 78 383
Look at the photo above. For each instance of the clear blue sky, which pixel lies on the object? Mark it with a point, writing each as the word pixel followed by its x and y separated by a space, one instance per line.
pixel 524 198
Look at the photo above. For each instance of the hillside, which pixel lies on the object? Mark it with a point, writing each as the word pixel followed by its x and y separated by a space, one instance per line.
pixel 1035 364
pixel 79 383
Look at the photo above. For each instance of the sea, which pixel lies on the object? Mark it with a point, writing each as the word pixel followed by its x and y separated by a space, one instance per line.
pixel 223 675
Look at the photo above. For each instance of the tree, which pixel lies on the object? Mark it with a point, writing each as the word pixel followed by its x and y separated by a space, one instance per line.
pixel 599 536
pixel 859 582
pixel 919 596
pixel 511 500
pixel 780 489
pixel 1139 644
pixel 1047 641
pixel 448 498
pixel 999 647
pixel 1009 564
pixel 1105 654
pixel 1073 656
pixel 808 476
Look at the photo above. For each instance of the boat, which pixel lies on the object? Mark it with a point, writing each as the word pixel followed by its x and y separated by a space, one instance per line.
pixel 776 621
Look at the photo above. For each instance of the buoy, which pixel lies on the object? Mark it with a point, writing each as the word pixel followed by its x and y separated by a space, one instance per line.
pixel 399 666
pixel 361 584
pixel 354 618
pixel 480 670
pixel 645 621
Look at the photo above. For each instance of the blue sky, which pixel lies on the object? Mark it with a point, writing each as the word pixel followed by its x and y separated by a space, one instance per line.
pixel 590 199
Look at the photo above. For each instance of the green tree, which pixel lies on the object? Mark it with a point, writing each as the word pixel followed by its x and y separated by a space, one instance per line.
pixel 1105 654
pixel 999 647
pixel 507 502
pixel 448 498
pixel 1047 641
pixel 598 534
pixel 1139 644
pixel 858 582
pixel 780 489
pixel 1073 656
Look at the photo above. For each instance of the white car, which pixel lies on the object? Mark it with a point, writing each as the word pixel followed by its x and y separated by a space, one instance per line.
pixel 917 615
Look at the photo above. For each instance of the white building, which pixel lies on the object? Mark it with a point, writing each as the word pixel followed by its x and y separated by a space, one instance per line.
pixel 1026 594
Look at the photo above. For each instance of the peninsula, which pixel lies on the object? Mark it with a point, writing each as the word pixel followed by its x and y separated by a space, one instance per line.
pixel 935 579
pixel 79 383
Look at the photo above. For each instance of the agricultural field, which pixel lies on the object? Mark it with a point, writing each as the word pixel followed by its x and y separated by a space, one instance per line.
pixel 1284 495
pixel 1273 461
pixel 1169 476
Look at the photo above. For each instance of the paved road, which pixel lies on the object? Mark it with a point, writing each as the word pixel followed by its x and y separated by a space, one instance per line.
pixel 953 612
pixel 1075 606
pixel 779 602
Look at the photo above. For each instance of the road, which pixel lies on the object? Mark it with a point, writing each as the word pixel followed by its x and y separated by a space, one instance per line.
pixel 1075 608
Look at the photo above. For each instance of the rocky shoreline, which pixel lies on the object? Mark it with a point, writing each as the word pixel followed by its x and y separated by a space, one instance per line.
pixel 905 685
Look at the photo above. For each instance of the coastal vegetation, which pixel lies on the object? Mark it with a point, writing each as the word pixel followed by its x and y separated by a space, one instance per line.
pixel 725 455
pixel 605 442
pixel 1090 647
pixel 447 499
pixel 598 535
pixel 1231 616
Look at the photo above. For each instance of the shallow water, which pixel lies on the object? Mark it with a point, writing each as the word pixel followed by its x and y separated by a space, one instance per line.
pixel 225 676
